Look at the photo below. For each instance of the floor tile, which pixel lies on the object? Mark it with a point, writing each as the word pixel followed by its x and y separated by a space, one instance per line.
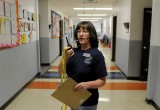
pixel 117 94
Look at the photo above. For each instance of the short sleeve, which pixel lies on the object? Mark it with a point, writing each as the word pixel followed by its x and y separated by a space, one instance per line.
pixel 100 66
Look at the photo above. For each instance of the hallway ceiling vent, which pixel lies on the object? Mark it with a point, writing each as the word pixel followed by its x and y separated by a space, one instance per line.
pixel 90 1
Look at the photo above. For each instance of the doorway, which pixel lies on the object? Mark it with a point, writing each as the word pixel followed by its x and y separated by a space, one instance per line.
pixel 145 43
pixel 114 38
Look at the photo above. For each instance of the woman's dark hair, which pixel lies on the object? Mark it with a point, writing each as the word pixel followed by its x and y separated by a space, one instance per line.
pixel 87 25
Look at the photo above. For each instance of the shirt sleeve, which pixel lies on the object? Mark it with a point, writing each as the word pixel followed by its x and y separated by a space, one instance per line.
pixel 100 66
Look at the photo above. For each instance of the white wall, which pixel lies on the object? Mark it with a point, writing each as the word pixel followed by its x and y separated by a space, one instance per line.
pixel 48 51
pixel 137 10
pixel 18 65
pixel 153 91
pixel 43 10
pixel 122 8
pixel 155 40
pixel 97 25
pixel 128 46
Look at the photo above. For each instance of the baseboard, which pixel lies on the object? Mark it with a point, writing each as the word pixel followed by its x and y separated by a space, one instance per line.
pixel 45 64
pixel 152 103
pixel 133 78
pixel 128 78
pixel 49 64
pixel 55 59
pixel 17 93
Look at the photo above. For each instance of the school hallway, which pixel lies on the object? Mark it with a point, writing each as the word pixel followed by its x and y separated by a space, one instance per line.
pixel 117 94
pixel 33 35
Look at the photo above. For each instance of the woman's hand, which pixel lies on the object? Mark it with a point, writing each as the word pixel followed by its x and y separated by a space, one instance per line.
pixel 90 84
pixel 81 86
pixel 69 51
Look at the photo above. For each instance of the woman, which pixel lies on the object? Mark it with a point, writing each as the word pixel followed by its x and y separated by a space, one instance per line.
pixel 86 64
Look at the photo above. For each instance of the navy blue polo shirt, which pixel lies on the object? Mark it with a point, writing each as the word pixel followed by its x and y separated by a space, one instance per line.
pixel 87 65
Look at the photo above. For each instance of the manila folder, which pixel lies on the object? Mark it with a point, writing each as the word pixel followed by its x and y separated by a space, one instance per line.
pixel 66 95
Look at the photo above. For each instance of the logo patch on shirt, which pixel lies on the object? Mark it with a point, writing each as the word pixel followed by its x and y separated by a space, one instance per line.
pixel 88 60
pixel 86 55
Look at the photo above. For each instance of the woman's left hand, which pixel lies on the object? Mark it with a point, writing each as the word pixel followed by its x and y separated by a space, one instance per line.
pixel 81 86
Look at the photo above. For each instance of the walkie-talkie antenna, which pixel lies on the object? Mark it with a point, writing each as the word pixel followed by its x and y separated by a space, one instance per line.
pixel 68 42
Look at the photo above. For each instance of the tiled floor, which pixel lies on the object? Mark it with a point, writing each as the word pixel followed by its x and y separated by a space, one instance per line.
pixel 117 94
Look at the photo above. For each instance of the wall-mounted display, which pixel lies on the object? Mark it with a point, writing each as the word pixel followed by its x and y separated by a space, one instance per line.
pixel 13 11
pixel 7 9
pixel 30 16
pixel 34 17
pixel 17 25
pixel 9 36
pixel 66 25
pixel 25 14
pixel 55 24
pixel 1 8
pixel 20 11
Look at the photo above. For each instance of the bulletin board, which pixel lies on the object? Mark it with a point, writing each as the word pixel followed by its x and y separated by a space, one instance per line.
pixel 27 25
pixel 9 36
pixel 66 25
pixel 17 24
pixel 55 24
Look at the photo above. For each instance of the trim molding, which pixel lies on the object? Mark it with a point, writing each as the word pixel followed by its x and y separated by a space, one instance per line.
pixel 128 78
pixel 17 93
pixel 133 78
pixel 45 64
pixel 151 102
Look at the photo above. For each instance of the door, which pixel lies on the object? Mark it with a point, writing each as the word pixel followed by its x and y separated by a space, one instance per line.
pixel 114 38
pixel 145 43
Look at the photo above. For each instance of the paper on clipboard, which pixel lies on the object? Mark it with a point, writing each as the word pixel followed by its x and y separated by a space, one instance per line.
pixel 66 95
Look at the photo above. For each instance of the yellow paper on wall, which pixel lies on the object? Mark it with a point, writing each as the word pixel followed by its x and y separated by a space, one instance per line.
pixel 24 38
pixel 0 25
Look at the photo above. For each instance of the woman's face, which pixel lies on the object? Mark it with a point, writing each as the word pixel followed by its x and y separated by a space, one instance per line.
pixel 83 36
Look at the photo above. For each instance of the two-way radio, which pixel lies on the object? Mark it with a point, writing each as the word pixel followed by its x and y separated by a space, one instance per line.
pixel 68 44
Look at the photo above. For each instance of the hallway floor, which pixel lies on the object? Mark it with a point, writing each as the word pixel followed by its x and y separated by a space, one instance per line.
pixel 117 94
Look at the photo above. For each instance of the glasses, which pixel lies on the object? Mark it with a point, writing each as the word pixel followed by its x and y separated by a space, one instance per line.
pixel 82 32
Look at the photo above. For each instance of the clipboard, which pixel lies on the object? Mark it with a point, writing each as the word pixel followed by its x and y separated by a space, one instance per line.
pixel 66 95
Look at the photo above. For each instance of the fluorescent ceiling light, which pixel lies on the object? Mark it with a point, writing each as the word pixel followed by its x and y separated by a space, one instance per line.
pixel 90 18
pixel 88 8
pixel 103 8
pixel 84 15
pixel 91 14
pixel 99 14
pixel 84 18
pixel 78 8
pixel 92 8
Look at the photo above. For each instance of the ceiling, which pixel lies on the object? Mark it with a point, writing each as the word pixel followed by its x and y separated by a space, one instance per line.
pixel 66 6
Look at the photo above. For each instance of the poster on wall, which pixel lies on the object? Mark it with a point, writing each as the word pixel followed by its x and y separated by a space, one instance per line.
pixel 55 24
pixel 7 9
pixel 1 8
pixel 66 25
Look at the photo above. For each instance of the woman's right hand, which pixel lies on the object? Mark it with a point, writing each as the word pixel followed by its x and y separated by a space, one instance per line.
pixel 69 51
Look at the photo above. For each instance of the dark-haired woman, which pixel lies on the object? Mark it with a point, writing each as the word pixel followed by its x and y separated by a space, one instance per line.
pixel 86 64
